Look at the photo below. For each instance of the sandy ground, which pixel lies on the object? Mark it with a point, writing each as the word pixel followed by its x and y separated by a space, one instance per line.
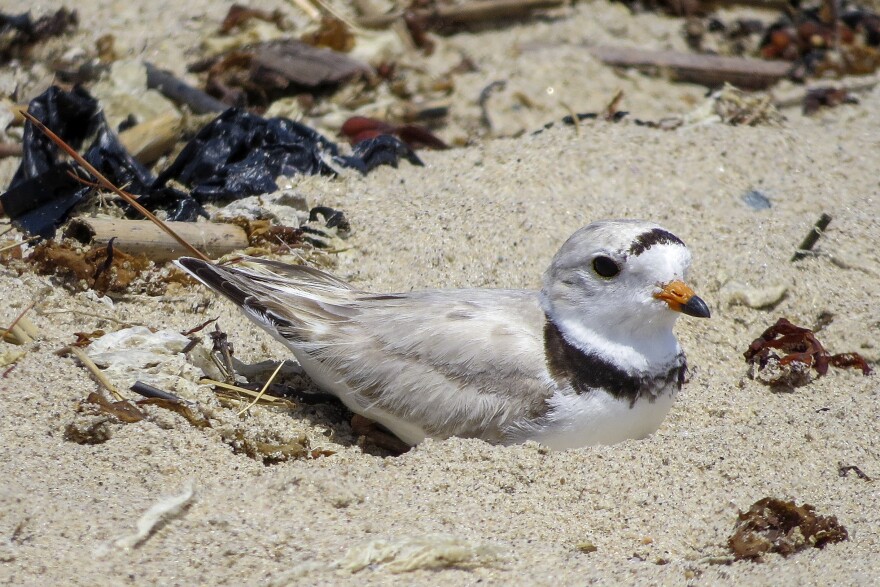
pixel 657 511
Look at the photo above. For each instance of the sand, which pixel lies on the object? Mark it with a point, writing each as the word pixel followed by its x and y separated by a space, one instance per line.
pixel 652 511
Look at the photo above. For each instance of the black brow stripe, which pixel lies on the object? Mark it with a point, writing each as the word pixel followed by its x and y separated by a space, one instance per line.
pixel 655 236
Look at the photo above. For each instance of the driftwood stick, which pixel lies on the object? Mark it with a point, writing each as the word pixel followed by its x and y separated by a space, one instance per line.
pixel 181 92
pixel 812 237
pixel 11 150
pixel 708 70
pixel 151 139
pixel 144 237
pixel 471 12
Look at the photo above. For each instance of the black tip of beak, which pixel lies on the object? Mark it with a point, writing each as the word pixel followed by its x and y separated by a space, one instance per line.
pixel 695 307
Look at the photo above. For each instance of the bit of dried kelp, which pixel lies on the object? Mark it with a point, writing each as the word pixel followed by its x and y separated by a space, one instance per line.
pixel 84 339
pixel 94 416
pixel 802 350
pixel 332 33
pixel 124 410
pixel 819 98
pixel 843 470
pixel 258 74
pixel 408 554
pixel 238 15
pixel 776 526
pixel 180 407
pixel 270 453
pixel 83 269
pixel 360 128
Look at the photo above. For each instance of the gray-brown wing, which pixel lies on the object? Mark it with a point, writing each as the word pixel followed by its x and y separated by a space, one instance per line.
pixel 456 362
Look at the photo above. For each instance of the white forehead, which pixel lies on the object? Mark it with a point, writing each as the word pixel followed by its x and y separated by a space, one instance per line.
pixel 664 261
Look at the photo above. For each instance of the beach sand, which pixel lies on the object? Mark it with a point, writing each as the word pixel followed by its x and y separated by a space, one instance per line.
pixel 652 511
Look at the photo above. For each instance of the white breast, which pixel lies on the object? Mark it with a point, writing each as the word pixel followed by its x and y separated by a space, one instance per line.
pixel 577 420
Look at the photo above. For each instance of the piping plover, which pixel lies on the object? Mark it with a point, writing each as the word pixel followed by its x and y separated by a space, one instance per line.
pixel 588 359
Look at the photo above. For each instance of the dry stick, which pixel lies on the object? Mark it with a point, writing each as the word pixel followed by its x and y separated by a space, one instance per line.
pixel 108 185
pixel 812 237
pixel 262 391
pixel 710 70
pixel 181 92
pixel 15 322
pixel 18 244
pixel 478 11
pixel 11 150
pixel 102 379
pixel 92 315
pixel 142 237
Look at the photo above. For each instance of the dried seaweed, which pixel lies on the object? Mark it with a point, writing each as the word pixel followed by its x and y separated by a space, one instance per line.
pixel 819 98
pixel 360 128
pixel 124 410
pixel 180 407
pixel 88 269
pixel 776 526
pixel 802 350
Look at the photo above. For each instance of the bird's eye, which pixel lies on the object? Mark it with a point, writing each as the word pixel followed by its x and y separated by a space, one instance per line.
pixel 605 267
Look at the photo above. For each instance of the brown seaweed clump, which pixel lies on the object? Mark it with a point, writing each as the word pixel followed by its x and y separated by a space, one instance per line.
pixel 103 269
pixel 783 527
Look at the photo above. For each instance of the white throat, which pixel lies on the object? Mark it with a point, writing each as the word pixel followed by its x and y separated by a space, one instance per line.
pixel 649 349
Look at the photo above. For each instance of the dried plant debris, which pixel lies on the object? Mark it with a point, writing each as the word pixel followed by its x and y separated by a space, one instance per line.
pixel 844 470
pixel 783 527
pixel 407 554
pixel 360 128
pixel 332 33
pixel 236 155
pixel 18 33
pixel 259 74
pixel 802 351
pixel 273 451
pixel 94 417
pixel 819 98
pixel 238 15
pixel 101 269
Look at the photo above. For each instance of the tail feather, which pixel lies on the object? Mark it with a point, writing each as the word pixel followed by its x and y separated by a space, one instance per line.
pixel 288 304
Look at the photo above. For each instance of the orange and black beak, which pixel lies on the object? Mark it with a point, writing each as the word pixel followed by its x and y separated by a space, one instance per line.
pixel 681 298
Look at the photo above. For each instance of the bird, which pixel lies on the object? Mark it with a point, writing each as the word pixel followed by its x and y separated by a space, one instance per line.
pixel 590 358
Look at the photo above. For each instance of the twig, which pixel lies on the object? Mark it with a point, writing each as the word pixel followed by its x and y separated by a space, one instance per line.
pixel 469 12
pixel 93 315
pixel 181 92
pixel 108 185
pixel 11 150
pixel 19 243
pixel 15 323
pixel 812 237
pixel 102 379
pixel 262 391
pixel 709 70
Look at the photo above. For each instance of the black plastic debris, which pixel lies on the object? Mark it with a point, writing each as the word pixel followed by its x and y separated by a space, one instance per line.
pixel 238 154
pixel 19 31
pixel 44 188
